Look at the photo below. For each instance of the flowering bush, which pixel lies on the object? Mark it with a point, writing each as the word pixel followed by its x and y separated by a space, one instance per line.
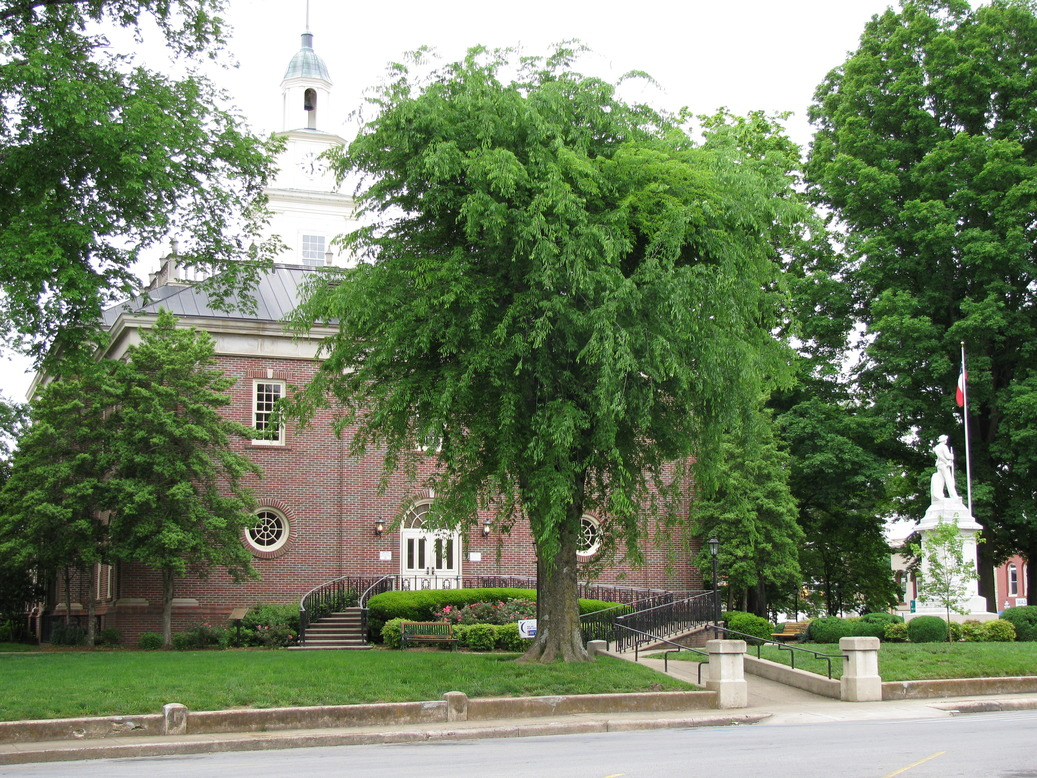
pixel 500 612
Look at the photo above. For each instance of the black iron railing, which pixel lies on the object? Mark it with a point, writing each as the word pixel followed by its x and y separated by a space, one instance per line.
pixel 328 598
pixel 665 618
pixel 754 640
pixel 643 637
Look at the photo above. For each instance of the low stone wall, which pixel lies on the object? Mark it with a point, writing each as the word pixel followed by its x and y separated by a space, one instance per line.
pixel 455 706
pixel 919 690
pixel 800 679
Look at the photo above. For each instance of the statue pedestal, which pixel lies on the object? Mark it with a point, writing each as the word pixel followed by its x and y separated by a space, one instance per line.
pixel 952 510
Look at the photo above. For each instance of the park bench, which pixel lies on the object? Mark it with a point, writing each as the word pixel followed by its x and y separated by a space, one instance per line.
pixel 426 632
pixel 793 630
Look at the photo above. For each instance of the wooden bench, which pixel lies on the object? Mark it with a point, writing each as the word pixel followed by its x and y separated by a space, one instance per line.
pixel 426 632
pixel 793 630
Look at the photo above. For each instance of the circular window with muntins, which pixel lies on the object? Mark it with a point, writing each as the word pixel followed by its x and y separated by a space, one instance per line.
pixel 269 533
pixel 590 536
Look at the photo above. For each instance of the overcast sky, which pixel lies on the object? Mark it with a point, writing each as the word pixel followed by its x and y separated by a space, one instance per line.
pixel 743 54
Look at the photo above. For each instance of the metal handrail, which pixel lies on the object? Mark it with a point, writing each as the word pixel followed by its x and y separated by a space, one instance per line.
pixel 666 654
pixel 758 642
pixel 669 617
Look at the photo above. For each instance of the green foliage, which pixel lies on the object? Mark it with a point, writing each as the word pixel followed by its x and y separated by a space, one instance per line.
pixel 480 637
pixel 749 624
pixel 62 634
pixel 753 515
pixel 895 633
pixel 271 625
pixel 998 631
pixel 501 612
pixel 830 629
pixel 946 577
pixel 927 629
pixel 110 637
pixel 924 157
pixel 508 638
pixel 568 291
pixel 392 633
pixel 150 641
pixel 874 624
pixel 103 158
pixel 184 641
pixel 1024 619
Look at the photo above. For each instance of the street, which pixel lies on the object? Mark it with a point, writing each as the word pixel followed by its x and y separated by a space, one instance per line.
pixel 988 744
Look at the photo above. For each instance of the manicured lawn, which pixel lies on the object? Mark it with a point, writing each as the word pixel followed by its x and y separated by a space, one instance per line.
pixel 85 683
pixel 923 661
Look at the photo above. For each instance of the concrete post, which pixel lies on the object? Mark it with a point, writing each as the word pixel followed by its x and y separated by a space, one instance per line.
pixel 174 719
pixel 595 647
pixel 456 706
pixel 727 673
pixel 861 681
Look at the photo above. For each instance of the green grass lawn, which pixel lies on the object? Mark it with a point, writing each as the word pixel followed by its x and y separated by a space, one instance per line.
pixel 923 661
pixel 99 683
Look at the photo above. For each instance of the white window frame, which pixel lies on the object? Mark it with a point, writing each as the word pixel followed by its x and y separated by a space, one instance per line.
pixel 277 525
pixel 587 521
pixel 261 412
pixel 1013 580
pixel 313 250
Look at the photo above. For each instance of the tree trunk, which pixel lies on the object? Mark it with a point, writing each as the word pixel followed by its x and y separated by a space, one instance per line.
pixel 558 628
pixel 985 569
pixel 68 596
pixel 167 608
pixel 91 631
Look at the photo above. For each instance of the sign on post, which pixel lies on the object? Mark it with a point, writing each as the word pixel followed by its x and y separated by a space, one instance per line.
pixel 527 628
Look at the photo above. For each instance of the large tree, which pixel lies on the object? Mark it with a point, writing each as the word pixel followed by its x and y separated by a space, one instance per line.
pixel 563 289
pixel 926 152
pixel 102 158
pixel 753 515
pixel 175 495
pixel 51 506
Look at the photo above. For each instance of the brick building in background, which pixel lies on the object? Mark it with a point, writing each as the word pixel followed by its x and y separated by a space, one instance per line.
pixel 321 514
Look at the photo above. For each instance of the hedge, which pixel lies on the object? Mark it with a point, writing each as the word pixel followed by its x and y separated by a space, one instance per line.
pixel 1024 619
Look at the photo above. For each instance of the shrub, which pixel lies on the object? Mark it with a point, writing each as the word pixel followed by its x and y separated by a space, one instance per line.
pixel 500 612
pixel 392 633
pixel 896 632
pixel 184 641
pixel 110 637
pixel 480 637
pixel 62 634
pixel 508 638
pixel 1024 619
pixel 970 630
pixel 150 641
pixel 750 624
pixel 927 629
pixel 998 631
pixel 830 629
pixel 272 625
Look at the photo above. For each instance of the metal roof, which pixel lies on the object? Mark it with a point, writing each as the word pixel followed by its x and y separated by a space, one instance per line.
pixel 276 296
pixel 306 63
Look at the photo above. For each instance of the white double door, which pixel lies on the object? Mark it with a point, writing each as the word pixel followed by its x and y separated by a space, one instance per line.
pixel 430 559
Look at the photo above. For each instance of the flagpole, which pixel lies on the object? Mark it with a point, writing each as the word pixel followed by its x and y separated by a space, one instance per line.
pixel 965 416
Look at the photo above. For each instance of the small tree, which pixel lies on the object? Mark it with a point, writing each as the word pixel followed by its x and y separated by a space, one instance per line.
pixel 176 498
pixel 945 576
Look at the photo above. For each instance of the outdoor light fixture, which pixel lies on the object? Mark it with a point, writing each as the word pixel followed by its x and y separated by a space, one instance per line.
pixel 714 546
pixel 714 549
pixel 486 529
pixel 379 526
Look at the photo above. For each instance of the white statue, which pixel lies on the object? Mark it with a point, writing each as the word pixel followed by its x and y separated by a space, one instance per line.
pixel 943 478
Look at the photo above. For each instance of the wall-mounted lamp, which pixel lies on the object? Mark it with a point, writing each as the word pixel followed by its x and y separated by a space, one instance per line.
pixel 379 526
pixel 486 529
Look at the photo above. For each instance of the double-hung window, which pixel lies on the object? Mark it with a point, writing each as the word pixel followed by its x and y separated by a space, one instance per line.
pixel 266 393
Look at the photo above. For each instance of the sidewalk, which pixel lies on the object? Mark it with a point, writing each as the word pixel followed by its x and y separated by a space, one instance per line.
pixel 769 703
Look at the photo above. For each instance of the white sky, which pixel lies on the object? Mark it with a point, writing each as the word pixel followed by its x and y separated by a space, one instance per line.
pixel 743 54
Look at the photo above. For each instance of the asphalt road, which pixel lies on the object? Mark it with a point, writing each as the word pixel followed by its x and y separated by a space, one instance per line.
pixel 988 744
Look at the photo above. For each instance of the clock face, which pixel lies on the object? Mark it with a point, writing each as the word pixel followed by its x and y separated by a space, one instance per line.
pixel 311 164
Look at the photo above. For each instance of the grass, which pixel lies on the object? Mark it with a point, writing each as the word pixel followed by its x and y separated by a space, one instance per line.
pixel 924 661
pixel 87 683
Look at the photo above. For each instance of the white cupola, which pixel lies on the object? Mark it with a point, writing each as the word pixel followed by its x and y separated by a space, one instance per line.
pixel 306 88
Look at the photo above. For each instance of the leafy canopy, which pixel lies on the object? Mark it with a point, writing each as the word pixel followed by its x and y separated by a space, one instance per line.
pixel 561 288
pixel 102 158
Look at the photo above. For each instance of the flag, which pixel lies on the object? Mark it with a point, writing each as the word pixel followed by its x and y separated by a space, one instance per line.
pixel 959 392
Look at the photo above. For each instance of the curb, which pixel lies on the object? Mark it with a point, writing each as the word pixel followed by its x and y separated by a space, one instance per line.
pixel 264 741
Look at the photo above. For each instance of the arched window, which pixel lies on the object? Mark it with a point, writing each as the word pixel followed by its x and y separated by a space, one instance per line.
pixel 309 104
pixel 1013 580
pixel 590 536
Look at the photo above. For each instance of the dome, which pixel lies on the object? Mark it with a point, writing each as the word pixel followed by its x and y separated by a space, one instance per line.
pixel 306 63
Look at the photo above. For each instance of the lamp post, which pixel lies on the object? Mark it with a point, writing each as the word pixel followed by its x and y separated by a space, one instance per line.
pixel 714 549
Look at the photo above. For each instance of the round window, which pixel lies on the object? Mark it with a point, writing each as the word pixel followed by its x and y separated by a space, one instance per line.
pixel 590 536
pixel 269 533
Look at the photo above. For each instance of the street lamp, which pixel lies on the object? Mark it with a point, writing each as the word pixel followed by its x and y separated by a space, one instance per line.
pixel 714 549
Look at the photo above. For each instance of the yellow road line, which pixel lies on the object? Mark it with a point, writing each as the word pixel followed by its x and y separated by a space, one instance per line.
pixel 911 766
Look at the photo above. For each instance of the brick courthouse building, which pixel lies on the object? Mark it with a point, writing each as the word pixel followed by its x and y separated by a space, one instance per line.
pixel 321 514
